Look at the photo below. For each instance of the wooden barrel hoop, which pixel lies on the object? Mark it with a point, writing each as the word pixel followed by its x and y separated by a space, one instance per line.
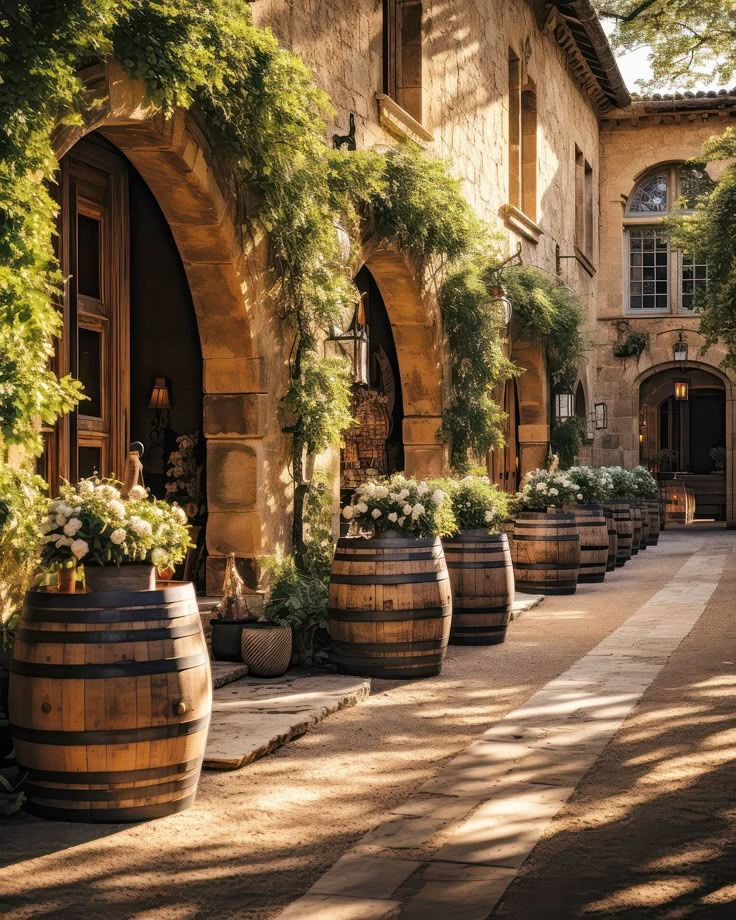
pixel 591 521
pixel 621 512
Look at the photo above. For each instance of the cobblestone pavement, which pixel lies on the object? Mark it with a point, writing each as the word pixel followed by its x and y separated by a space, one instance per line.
pixel 583 768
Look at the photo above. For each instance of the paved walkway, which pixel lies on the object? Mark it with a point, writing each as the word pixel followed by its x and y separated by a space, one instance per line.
pixel 603 724
pixel 454 848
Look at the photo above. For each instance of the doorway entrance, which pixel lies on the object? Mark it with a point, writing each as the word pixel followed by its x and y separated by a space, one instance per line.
pixel 682 435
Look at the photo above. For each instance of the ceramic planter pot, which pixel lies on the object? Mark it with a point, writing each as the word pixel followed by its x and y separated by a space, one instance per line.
pixel 266 649
pixel 225 639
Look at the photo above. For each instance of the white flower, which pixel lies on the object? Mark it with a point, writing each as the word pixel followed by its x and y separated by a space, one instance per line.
pixel 60 520
pixel 79 549
pixel 85 486
pixel 393 517
pixel 348 513
pixel 362 507
pixel 554 492
pixel 72 527
pixel 401 520
pixel 141 527
pixel 63 541
pixel 159 557
pixel 417 510
pixel 407 509
pixel 488 517
pixel 66 510
pixel 423 489
pixel 117 507
pixel 580 496
pixel 403 494
pixel 438 496
pixel 180 514
pixel 541 487
pixel 137 493
pixel 118 536
pixel 375 514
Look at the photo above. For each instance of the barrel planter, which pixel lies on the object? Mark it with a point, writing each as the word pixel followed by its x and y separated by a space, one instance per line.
pixel 654 522
pixel 390 606
pixel 110 699
pixel 593 531
pixel 636 520
pixel 546 553
pixel 612 541
pixel 482 580
pixel 621 512
pixel 644 541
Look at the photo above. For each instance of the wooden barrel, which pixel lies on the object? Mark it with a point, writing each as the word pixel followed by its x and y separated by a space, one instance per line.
pixel 546 553
pixel 482 580
pixel 110 699
pixel 591 521
pixel 644 508
pixel 637 523
pixel 654 522
pixel 390 606
pixel 612 541
pixel 621 512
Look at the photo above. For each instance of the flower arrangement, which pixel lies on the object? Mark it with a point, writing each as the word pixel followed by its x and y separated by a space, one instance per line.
pixel 542 489
pixel 646 483
pixel 625 484
pixel 183 475
pixel 401 504
pixel 90 523
pixel 476 503
pixel 593 483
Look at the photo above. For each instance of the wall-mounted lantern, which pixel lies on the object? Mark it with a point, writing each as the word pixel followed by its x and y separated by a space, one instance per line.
pixel 600 416
pixel 564 406
pixel 354 343
pixel 500 297
pixel 343 242
pixel 681 390
pixel 679 351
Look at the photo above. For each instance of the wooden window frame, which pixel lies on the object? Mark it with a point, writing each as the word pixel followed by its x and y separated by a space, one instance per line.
pixel 395 53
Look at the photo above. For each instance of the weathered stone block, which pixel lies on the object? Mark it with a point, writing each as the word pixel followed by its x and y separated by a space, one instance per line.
pixel 235 375
pixel 236 532
pixel 232 476
pixel 235 415
pixel 421 429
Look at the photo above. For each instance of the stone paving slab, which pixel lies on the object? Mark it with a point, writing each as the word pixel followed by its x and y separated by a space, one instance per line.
pixel 225 672
pixel 253 717
pixel 511 782
pixel 524 602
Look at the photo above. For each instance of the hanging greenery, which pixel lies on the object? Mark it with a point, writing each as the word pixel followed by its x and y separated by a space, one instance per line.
pixel 551 312
pixel 567 439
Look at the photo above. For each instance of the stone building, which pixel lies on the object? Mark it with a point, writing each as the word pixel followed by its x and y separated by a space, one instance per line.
pixel 167 316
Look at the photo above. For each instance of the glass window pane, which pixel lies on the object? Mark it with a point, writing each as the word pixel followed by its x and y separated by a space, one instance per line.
pixel 90 371
pixel 648 269
pixel 89 460
pixel 694 184
pixel 651 195
pixel 88 256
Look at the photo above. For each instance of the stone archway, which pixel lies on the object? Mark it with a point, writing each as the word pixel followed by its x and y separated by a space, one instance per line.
pixel 716 374
pixel 226 278
pixel 416 327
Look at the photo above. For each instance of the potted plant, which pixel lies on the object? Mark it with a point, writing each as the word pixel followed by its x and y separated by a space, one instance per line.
pixel 546 545
pixel 390 602
pixel 622 504
pixel 119 542
pixel 593 490
pixel 479 562
pixel 648 492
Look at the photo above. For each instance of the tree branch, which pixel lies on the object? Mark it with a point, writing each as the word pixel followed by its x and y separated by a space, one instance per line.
pixel 629 17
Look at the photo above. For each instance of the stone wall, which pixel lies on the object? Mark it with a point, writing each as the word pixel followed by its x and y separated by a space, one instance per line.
pixel 633 142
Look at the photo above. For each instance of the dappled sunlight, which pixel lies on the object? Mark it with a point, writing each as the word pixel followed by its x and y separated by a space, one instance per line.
pixel 647 894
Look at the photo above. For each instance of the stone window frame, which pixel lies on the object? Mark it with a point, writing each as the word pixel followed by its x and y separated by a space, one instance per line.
pixel 585 216
pixel 520 212
pixel 401 101
pixel 677 263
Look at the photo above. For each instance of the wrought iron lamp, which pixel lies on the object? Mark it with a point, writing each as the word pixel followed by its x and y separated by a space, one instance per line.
pixel 679 351
pixel 564 406
pixel 354 343
pixel 160 402
pixel 500 297
pixel 681 390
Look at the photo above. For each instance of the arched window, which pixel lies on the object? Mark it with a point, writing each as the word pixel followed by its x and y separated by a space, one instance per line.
pixel 659 279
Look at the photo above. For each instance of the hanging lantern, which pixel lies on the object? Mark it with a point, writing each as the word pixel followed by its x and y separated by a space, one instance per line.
pixel 600 416
pixel 681 390
pixel 343 242
pixel 354 343
pixel 500 297
pixel 564 406
pixel 679 350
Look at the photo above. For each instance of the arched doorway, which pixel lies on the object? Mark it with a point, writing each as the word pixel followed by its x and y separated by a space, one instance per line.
pixel 683 434
pixel 374 446
pixel 504 466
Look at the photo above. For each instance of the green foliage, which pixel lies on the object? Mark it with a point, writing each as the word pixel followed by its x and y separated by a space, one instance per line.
pixel 476 503
pixel 298 595
pixel 22 511
pixel 625 485
pixel 318 401
pixel 550 312
pixel 593 483
pixel 567 439
pixel 633 346
pixel 689 42
pixel 473 421
pixel 708 235
pixel 646 484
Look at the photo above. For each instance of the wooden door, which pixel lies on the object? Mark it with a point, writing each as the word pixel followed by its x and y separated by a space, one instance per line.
pixel 94 348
